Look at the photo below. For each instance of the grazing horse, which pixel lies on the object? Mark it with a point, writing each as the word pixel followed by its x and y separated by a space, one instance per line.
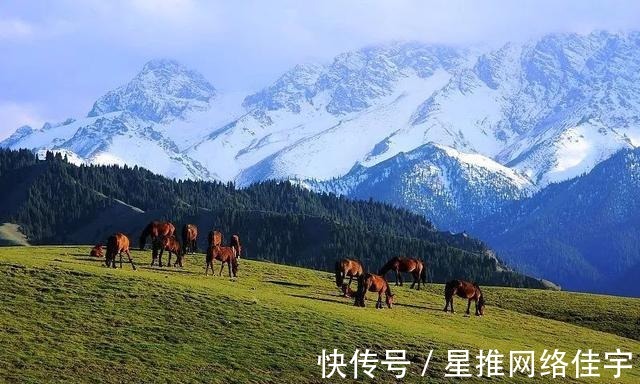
pixel 169 244
pixel 116 244
pixel 465 290
pixel 235 243
pixel 344 268
pixel 189 238
pixel 214 238
pixel 96 251
pixel 155 229
pixel 409 265
pixel 225 255
pixel 373 283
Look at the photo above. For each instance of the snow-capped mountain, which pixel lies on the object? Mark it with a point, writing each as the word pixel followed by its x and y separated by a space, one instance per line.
pixel 538 112
pixel 437 181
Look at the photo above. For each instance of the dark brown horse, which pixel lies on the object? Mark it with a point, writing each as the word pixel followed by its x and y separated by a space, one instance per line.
pixel 189 238
pixel 465 290
pixel 96 251
pixel 214 238
pixel 347 267
pixel 116 244
pixel 169 244
pixel 224 255
pixel 155 229
pixel 374 283
pixel 235 243
pixel 406 265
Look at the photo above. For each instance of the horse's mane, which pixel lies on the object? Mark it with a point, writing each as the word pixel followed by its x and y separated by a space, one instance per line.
pixel 388 290
pixel 385 268
pixel 145 233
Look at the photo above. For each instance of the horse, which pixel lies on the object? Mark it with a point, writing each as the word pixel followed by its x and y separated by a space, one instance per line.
pixel 373 283
pixel 96 251
pixel 116 244
pixel 235 243
pixel 154 229
pixel 225 255
pixel 169 244
pixel 189 238
pixel 214 238
pixel 409 265
pixel 347 267
pixel 465 290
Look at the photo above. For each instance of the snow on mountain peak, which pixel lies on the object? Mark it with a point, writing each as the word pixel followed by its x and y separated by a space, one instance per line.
pixel 161 91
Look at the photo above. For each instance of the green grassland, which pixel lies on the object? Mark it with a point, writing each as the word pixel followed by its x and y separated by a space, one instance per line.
pixel 66 318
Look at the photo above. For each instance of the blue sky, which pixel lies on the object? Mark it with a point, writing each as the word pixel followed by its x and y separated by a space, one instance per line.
pixel 57 57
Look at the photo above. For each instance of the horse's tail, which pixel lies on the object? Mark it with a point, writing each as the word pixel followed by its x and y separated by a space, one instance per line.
pixel 339 277
pixel 423 273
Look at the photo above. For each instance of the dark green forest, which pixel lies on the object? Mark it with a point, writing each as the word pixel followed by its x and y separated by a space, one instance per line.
pixel 55 202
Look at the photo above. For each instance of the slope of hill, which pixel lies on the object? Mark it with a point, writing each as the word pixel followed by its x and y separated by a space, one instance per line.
pixel 65 317
pixel 57 202
pixel 582 233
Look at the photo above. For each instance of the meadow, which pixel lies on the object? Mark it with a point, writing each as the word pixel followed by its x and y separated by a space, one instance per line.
pixel 64 317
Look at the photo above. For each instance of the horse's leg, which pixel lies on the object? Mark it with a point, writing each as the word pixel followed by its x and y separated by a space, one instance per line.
pixel 451 300
pixel 221 268
pixel 396 272
pixel 229 265
pixel 414 279
pixel 350 279
pixel 169 259
pixel 206 269
pixel 446 304
pixel 379 304
pixel 120 259
pixel 468 306
pixel 400 277
pixel 131 260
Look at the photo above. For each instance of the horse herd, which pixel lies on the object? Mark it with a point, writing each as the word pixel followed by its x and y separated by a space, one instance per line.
pixel 369 282
pixel 162 234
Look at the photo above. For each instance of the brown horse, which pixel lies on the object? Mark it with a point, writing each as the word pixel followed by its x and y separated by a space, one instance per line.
pixel 235 243
pixel 116 244
pixel 214 238
pixel 189 238
pixel 350 268
pixel 155 229
pixel 96 251
pixel 224 255
pixel 465 290
pixel 408 265
pixel 169 244
pixel 373 283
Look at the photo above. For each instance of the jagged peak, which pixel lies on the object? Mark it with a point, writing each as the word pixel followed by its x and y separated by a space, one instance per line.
pixel 164 89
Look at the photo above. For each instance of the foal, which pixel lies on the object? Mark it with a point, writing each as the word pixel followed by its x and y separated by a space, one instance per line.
pixel 169 244
pixel 465 290
pixel 225 255
pixel 373 283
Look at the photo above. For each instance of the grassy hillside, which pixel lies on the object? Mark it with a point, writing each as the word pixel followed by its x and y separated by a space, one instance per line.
pixel 65 317
pixel 55 202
